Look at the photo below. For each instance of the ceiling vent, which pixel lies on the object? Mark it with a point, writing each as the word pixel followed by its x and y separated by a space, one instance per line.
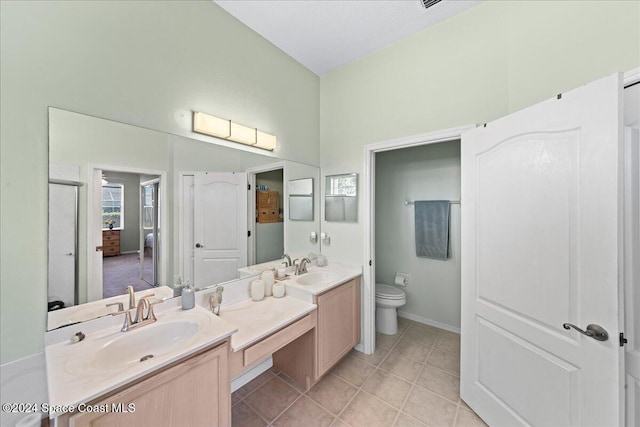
pixel 428 3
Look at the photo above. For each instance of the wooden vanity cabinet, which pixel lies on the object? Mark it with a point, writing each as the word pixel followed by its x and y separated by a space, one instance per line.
pixel 338 324
pixel 193 392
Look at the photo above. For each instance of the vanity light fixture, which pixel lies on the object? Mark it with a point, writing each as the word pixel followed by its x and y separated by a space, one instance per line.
pixel 226 129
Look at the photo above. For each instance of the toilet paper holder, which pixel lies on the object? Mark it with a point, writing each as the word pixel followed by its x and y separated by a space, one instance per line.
pixel 401 279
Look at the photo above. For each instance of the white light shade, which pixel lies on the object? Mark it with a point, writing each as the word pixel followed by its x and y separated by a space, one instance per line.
pixel 211 125
pixel 266 141
pixel 242 134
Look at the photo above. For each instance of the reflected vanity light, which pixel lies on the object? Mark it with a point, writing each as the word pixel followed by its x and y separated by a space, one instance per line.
pixel 226 129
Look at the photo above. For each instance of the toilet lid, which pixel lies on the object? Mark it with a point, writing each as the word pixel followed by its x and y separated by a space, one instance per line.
pixel 388 292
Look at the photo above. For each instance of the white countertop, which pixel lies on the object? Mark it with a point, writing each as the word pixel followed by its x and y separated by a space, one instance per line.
pixel 258 319
pixel 74 378
pixel 334 275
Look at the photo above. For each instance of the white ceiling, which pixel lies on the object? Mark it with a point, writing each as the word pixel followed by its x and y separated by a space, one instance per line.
pixel 326 34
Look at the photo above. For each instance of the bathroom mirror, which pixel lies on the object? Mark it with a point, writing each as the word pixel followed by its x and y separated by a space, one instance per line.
pixel 146 170
pixel 341 198
pixel 301 199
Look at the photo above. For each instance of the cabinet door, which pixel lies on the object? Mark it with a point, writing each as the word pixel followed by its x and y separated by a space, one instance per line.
pixel 338 324
pixel 196 392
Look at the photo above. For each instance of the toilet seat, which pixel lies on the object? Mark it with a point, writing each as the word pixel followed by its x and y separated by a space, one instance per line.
pixel 389 292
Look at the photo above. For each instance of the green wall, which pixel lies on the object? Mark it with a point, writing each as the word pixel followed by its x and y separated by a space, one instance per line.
pixel 139 62
pixel 493 59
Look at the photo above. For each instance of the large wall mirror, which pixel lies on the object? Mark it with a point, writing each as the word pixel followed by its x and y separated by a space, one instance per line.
pixel 134 206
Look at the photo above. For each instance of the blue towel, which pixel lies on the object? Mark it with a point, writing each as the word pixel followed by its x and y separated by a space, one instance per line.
pixel 432 229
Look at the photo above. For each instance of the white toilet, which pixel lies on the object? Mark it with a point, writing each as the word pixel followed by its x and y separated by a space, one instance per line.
pixel 388 299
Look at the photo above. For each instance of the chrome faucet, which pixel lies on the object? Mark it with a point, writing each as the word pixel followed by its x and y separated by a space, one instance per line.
pixel 288 258
pixel 215 300
pixel 302 267
pixel 132 297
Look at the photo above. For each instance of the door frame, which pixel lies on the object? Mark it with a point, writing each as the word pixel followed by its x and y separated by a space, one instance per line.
pixel 156 210
pixel 368 343
pixel 251 205
pixel 93 291
pixel 627 268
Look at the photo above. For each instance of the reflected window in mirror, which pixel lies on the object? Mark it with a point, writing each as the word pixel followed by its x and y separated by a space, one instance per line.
pixel 112 206
pixel 301 199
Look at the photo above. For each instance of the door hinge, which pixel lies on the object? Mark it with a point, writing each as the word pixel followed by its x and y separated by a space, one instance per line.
pixel 623 340
pixel 248 233
pixel 98 248
pixel 370 263
pixel 248 186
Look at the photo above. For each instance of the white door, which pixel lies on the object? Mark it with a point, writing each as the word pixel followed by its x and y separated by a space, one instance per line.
pixel 220 226
pixel 62 243
pixel 541 246
pixel 632 274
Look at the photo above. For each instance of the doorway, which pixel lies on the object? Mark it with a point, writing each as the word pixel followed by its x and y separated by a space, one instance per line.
pixel 484 331
pixel 130 214
pixel 124 223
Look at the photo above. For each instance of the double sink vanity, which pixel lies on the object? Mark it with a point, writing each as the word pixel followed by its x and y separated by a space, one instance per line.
pixel 179 369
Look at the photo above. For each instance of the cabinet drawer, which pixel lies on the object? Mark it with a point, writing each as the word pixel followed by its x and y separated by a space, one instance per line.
pixel 278 340
pixel 108 238
pixel 110 251
pixel 110 243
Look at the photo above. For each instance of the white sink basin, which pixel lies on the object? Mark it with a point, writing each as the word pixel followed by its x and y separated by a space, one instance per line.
pixel 170 334
pixel 145 343
pixel 317 277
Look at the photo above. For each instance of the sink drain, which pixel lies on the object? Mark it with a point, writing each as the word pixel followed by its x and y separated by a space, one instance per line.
pixel 147 357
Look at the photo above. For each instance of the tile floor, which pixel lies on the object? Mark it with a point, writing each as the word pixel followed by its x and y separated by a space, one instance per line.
pixel 412 379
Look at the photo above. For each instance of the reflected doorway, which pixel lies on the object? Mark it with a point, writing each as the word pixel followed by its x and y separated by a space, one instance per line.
pixel 129 229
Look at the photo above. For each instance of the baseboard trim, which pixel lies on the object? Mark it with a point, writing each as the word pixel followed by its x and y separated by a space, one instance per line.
pixel 429 322
pixel 251 373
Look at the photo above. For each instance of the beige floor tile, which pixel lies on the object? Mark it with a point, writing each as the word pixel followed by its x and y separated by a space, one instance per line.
pixel 272 398
pixel 423 327
pixel 401 366
pixel 291 382
pixel 448 342
pixel 426 338
pixel 332 393
pixel 243 416
pixel 353 370
pixel 464 404
pixel 403 321
pixel 441 382
pixel 254 384
pixel 367 411
pixel 430 408
pixel 388 388
pixel 386 341
pixel 449 362
pixel 235 398
pixel 304 412
pixel 405 420
pixel 339 423
pixel 372 359
pixel 413 349
pixel 467 418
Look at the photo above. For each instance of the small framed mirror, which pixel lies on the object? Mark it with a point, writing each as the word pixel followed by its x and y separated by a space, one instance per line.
pixel 301 199
pixel 341 198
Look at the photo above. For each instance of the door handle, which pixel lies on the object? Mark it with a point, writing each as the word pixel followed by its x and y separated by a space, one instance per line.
pixel 198 245
pixel 594 331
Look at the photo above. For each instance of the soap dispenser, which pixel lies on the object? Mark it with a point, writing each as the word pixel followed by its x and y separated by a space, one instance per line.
pixel 188 297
